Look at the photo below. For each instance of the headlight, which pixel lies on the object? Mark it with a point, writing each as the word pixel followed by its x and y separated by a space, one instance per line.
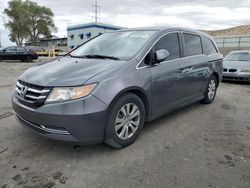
pixel 245 70
pixel 59 94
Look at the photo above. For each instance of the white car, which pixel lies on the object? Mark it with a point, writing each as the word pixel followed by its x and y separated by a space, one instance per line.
pixel 236 66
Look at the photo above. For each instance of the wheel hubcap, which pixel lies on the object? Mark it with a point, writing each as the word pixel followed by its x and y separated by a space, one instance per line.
pixel 211 89
pixel 127 121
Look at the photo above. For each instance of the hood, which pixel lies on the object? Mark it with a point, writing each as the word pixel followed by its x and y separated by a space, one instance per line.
pixel 67 71
pixel 236 64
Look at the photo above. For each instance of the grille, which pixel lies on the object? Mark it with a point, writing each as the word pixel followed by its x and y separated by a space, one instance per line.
pixel 30 94
pixel 236 78
pixel 224 70
pixel 232 70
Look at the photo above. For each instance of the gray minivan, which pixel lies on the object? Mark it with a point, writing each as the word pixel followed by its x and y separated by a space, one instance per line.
pixel 106 89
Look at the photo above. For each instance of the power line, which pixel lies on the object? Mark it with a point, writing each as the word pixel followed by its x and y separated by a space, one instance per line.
pixel 96 11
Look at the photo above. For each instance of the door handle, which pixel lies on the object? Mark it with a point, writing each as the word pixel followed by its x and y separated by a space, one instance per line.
pixel 186 70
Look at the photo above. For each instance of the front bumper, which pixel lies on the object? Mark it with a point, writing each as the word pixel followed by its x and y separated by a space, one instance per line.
pixel 81 120
pixel 237 76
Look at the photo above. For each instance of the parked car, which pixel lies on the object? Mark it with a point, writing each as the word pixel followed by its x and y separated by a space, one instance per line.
pixel 107 88
pixel 17 53
pixel 237 66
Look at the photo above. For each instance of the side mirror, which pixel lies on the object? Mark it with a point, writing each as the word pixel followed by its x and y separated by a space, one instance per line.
pixel 161 55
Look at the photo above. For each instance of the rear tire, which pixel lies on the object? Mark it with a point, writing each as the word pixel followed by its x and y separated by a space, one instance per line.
pixel 29 59
pixel 211 90
pixel 125 121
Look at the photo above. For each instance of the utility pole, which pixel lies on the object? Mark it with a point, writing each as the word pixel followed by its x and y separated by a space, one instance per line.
pixel 96 11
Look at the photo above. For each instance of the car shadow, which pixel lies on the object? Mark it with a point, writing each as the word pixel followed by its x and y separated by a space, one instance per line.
pixel 15 61
pixel 236 82
pixel 170 116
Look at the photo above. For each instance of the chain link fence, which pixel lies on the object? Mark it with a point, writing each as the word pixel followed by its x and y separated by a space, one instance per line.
pixel 230 43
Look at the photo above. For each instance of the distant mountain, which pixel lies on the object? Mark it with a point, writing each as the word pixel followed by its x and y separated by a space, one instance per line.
pixel 240 30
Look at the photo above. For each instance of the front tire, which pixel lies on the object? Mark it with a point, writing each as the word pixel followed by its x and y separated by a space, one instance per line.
pixel 125 121
pixel 211 90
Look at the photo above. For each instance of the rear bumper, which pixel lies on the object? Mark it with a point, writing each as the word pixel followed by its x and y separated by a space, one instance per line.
pixel 81 121
pixel 243 77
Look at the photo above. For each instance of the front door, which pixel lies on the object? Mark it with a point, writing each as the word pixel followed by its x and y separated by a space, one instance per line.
pixel 168 80
pixel 9 53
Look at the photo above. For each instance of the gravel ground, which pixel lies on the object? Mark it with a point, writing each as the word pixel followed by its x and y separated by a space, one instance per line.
pixel 198 146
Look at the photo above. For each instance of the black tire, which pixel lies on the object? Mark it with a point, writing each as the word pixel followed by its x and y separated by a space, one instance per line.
pixel 29 59
pixel 207 97
pixel 111 136
pixel 0 58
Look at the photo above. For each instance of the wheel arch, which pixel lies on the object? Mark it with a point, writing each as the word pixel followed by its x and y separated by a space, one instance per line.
pixel 217 77
pixel 140 93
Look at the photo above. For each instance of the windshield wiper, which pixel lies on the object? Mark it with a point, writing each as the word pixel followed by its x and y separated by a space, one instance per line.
pixel 101 56
pixel 74 56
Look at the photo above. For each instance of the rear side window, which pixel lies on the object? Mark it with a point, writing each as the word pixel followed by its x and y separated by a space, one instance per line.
pixel 20 49
pixel 208 46
pixel 192 44
pixel 169 42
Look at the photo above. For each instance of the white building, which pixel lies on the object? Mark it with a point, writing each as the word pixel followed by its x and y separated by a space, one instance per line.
pixel 78 34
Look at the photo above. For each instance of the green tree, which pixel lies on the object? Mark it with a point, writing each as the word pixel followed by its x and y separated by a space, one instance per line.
pixel 17 21
pixel 40 21
pixel 28 20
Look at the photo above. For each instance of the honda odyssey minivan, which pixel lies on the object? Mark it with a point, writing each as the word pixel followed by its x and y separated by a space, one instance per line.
pixel 104 90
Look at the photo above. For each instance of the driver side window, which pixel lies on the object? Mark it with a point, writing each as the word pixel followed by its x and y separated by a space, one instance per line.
pixel 10 49
pixel 169 42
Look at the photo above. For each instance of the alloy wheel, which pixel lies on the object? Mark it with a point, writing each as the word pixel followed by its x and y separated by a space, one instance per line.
pixel 211 89
pixel 127 121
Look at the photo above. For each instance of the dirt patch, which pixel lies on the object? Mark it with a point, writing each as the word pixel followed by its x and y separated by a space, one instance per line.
pixel 17 177
pixel 245 178
pixel 5 149
pixel 32 179
pixel 59 176
pixel 228 160
pixel 6 114
pixel 229 107
pixel 6 86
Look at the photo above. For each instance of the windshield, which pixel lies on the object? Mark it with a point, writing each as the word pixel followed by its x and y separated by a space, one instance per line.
pixel 120 45
pixel 239 56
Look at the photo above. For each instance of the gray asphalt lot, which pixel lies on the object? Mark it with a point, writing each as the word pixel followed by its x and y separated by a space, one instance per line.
pixel 198 146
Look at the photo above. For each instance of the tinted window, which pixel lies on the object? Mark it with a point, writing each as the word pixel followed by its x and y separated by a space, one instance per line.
pixel 10 49
pixel 170 42
pixel 238 56
pixel 192 44
pixel 19 49
pixel 208 46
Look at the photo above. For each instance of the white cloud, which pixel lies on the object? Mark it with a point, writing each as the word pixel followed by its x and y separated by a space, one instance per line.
pixel 138 20
pixel 198 14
